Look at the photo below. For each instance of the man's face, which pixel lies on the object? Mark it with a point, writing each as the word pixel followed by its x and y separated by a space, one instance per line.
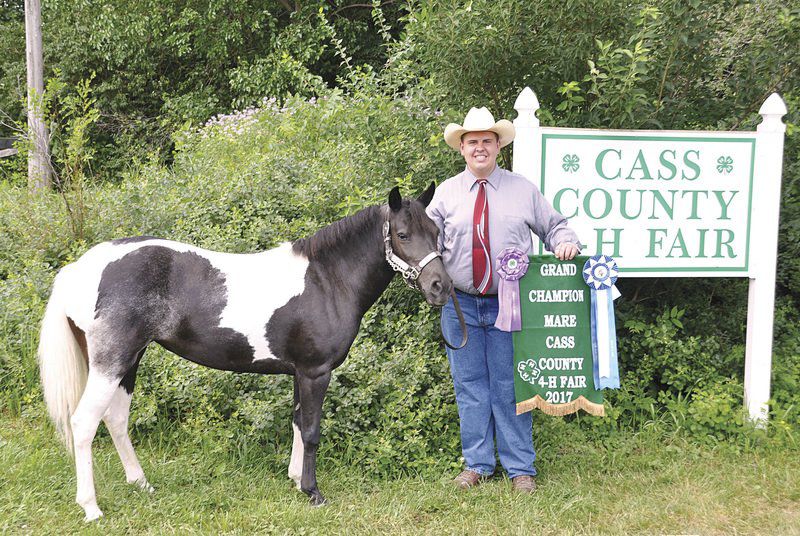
pixel 480 150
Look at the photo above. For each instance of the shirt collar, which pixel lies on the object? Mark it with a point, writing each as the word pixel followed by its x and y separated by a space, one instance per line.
pixel 493 179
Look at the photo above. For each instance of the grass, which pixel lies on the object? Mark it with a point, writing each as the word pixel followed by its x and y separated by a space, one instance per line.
pixel 640 485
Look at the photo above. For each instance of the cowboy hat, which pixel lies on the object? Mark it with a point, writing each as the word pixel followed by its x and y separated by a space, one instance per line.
pixel 479 120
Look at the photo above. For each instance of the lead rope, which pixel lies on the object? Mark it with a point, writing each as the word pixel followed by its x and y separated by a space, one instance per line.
pixel 460 321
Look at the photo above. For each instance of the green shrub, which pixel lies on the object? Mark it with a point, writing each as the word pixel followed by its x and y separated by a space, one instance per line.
pixel 242 183
pixel 786 365
pixel 245 182
pixel 657 357
pixel 22 301
pixel 716 411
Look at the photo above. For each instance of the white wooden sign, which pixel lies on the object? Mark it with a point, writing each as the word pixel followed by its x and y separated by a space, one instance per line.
pixel 671 204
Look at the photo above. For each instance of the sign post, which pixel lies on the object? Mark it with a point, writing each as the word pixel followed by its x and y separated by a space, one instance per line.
pixel 671 204
pixel 761 294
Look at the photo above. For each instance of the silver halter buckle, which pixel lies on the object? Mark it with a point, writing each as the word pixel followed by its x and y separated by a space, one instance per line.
pixel 410 273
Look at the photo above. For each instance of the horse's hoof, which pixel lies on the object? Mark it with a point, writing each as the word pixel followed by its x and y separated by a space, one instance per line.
pixel 142 484
pixel 92 514
pixel 315 498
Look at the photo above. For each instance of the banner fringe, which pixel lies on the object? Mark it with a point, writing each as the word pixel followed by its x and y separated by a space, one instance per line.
pixel 559 410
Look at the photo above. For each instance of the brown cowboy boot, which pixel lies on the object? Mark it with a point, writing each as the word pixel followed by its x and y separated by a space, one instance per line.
pixel 523 484
pixel 468 479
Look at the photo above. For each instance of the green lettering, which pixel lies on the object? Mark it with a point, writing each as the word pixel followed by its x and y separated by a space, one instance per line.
pixel 701 248
pixel 655 241
pixel 678 243
pixel 587 203
pixel 640 165
pixel 694 165
pixel 723 205
pixel 598 163
pixel 623 199
pixel 669 208
pixel 726 243
pixel 694 194
pixel 557 202
pixel 669 165
pixel 614 241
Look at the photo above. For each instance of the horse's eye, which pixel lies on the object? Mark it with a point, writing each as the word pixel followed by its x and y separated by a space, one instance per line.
pixel 402 236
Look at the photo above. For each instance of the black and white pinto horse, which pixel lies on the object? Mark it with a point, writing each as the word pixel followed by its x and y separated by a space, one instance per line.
pixel 294 310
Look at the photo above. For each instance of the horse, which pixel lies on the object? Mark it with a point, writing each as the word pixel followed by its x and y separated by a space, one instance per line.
pixel 294 309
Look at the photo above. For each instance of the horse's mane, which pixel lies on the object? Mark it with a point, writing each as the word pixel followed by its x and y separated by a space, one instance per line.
pixel 359 227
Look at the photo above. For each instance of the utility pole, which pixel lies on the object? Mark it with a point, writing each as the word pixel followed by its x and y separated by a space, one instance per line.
pixel 39 175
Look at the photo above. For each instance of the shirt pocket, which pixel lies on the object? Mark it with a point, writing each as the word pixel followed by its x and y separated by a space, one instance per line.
pixel 459 224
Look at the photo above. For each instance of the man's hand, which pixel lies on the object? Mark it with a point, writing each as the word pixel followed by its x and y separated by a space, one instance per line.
pixel 566 251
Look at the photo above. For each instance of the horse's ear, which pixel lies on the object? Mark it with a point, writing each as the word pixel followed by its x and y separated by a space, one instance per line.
pixel 427 195
pixel 395 201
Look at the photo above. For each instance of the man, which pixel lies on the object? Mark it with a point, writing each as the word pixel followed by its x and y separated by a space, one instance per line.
pixel 479 212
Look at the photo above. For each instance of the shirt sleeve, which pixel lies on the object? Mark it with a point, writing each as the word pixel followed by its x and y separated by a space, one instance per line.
pixel 549 225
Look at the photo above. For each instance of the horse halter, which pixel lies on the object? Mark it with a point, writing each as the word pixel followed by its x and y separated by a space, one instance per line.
pixel 410 273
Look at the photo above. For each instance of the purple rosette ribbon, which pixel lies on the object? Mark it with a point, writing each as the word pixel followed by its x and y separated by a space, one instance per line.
pixel 513 263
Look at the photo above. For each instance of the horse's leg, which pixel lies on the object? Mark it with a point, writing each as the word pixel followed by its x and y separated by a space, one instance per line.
pixel 312 393
pixel 116 419
pixel 96 398
pixel 296 462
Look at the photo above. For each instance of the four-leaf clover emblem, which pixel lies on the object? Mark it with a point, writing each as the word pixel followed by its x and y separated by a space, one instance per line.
pixel 724 164
pixel 571 163
pixel 528 371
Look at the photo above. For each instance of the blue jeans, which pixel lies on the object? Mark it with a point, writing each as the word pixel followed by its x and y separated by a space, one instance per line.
pixel 483 376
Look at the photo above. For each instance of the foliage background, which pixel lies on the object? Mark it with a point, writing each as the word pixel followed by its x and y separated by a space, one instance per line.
pixel 235 125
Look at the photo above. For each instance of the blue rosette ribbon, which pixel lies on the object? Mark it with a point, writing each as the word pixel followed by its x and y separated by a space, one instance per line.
pixel 600 272
pixel 512 265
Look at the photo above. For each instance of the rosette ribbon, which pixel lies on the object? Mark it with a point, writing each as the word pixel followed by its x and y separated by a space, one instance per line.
pixel 600 273
pixel 512 265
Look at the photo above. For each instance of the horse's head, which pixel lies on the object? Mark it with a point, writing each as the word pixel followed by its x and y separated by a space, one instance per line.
pixel 414 238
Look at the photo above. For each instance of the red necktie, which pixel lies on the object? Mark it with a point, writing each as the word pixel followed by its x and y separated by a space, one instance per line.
pixel 481 252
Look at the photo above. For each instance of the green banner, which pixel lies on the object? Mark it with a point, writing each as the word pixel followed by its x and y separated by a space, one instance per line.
pixel 553 352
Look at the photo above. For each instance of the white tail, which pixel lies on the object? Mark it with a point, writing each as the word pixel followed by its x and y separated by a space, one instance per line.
pixel 62 365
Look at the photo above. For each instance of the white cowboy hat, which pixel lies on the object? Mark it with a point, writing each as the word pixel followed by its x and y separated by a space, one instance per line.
pixel 479 120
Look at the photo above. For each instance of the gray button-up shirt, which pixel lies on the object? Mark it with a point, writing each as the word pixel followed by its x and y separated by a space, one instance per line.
pixel 516 207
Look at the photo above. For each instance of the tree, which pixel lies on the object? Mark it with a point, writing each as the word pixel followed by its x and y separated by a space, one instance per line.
pixel 39 175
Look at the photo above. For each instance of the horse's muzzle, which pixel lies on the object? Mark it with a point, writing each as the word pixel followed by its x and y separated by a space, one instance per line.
pixel 438 292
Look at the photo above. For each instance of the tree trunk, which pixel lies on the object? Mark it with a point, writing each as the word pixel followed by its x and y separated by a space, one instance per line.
pixel 39 175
